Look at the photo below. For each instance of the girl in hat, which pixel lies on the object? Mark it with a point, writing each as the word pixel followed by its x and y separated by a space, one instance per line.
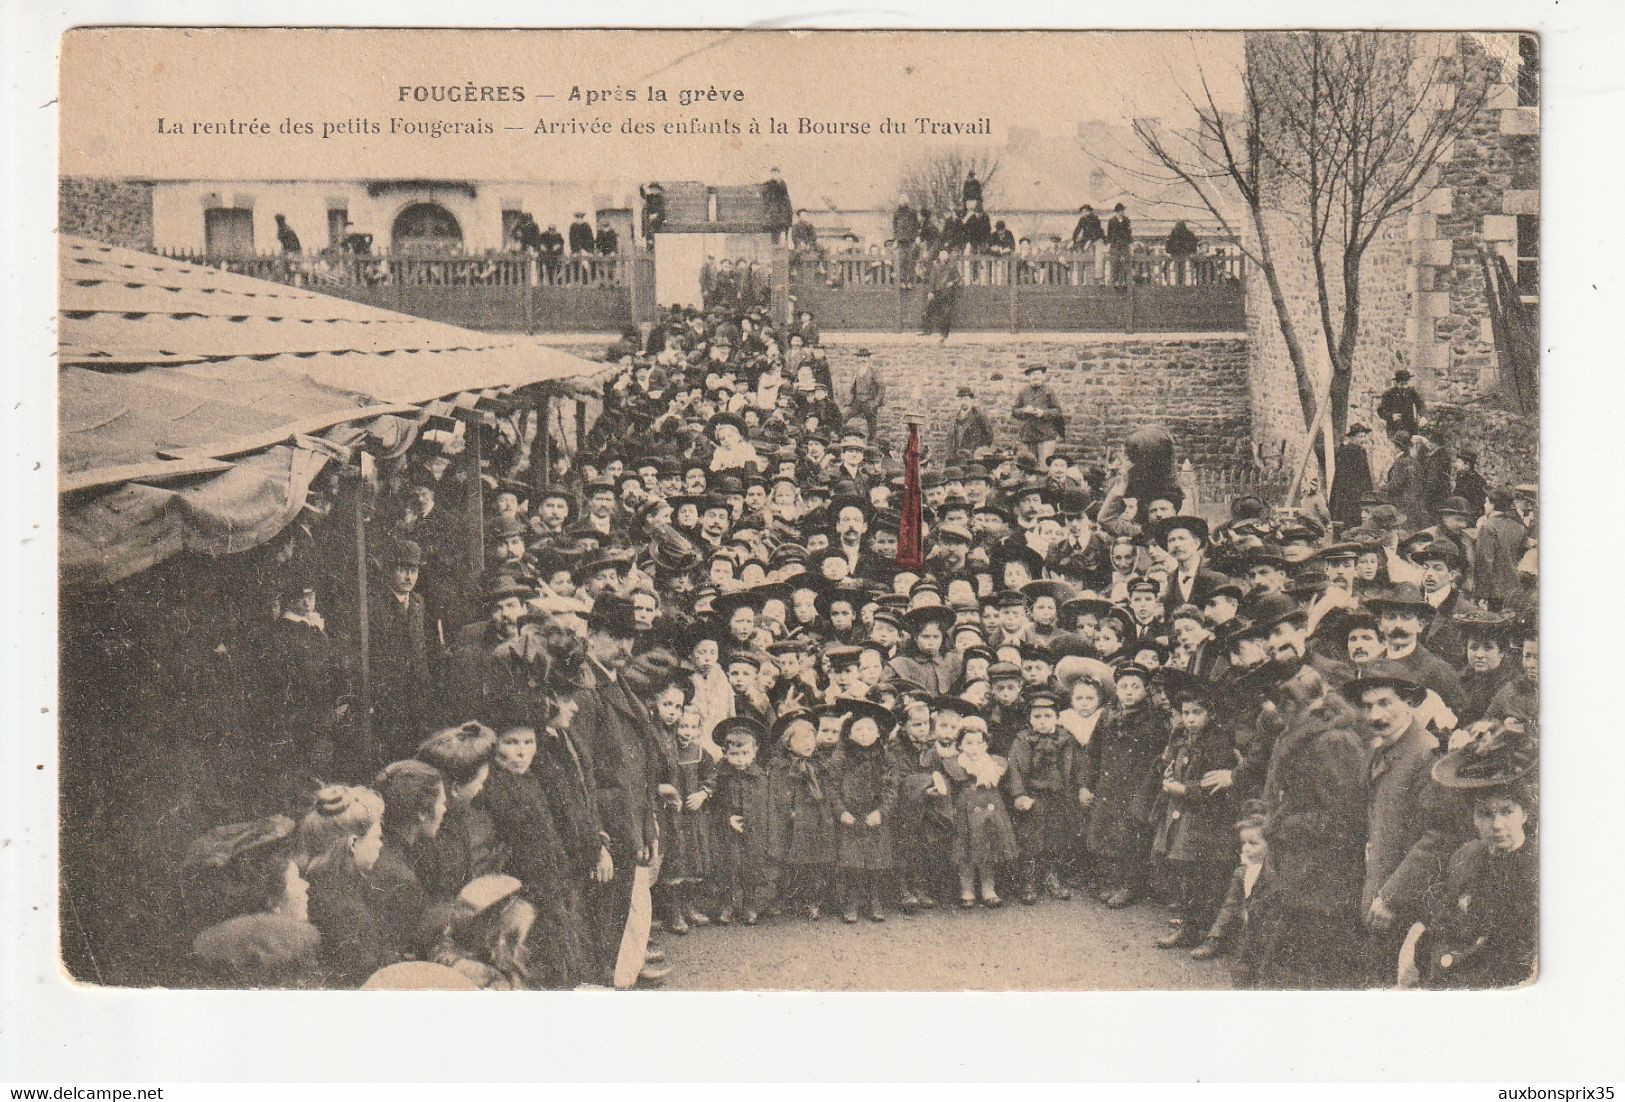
pixel 342 837
pixel 926 663
pixel 245 886
pixel 801 833
pixel 1122 771
pixel 863 791
pixel 1195 836
pixel 983 836
pixel 489 939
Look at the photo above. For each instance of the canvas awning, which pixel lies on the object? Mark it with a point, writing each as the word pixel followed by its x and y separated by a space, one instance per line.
pixel 195 406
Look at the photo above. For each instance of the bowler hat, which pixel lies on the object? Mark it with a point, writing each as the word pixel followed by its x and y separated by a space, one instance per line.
pixel 1059 591
pixel 506 585
pixel 1402 597
pixel 1383 674
pixel 1161 529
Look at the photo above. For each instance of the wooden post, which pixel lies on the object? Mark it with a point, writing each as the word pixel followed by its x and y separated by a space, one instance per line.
pixel 541 449
pixel 581 435
pixel 1010 267
pixel 474 496
pixel 529 282
pixel 363 623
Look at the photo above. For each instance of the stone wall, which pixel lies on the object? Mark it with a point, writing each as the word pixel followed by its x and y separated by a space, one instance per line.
pixel 1195 386
pixel 1423 305
pixel 115 212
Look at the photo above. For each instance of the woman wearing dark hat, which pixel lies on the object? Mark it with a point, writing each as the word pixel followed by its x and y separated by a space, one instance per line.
pixel 863 792
pixel 926 662
pixel 243 882
pixel 466 845
pixel 1483 923
pixel 414 794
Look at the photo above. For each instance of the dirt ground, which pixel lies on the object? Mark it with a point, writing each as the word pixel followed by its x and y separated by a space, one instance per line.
pixel 1076 945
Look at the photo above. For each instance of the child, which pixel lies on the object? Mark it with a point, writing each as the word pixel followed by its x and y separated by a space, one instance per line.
pixel 737 794
pixel 864 793
pixel 1044 783
pixel 1122 773
pixel 801 839
pixel 984 837
pixel 687 857
pixel 1232 929
pixel 1088 700
pixel 911 755
pixel 1195 833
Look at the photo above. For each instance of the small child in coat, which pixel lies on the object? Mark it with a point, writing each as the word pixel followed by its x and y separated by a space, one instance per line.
pixel 801 836
pixel 1123 772
pixel 1045 790
pixel 1233 927
pixel 864 792
pixel 1195 834
pixel 736 795
pixel 984 838
pixel 687 859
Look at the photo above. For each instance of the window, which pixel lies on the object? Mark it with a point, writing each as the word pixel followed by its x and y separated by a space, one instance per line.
pixel 426 228
pixel 336 218
pixel 1529 255
pixel 228 231
pixel 1528 71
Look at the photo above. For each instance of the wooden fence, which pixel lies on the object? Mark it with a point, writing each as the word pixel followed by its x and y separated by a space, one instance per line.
pixel 882 291
pixel 506 291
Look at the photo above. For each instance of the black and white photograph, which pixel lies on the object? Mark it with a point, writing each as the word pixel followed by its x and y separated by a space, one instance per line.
pixel 860 511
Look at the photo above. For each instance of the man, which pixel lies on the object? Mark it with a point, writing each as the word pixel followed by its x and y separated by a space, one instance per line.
pixel 1119 243
pixel 777 210
pixel 1499 547
pixel 943 294
pixel 1401 407
pixel 1181 247
pixel 286 238
pixel 868 393
pixel 581 236
pixel 607 242
pixel 803 235
pixel 1352 481
pixel 1183 541
pixel 977 228
pixel 1087 235
pixel 619 731
pixel 969 430
pixel 303 688
pixel 1402 612
pixel 972 191
pixel 1282 624
pixel 1467 483
pixel 1441 564
pixel 499 658
pixel 1039 414
pixel 399 654
pixel 1413 824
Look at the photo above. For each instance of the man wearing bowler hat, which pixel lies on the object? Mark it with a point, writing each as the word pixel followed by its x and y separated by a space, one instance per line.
pixel 398 638
pixel 1413 823
pixel 1401 407
pixel 1039 414
pixel 970 429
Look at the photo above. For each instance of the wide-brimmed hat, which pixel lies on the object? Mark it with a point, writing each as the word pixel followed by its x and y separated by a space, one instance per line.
pixel 743 725
pixel 941 615
pixel 884 717
pixel 1266 555
pixel 1181 686
pixel 1059 591
pixel 1499 757
pixel 225 844
pixel 1267 610
pixel 1161 529
pixel 506 585
pixel 1084 602
pixel 1456 506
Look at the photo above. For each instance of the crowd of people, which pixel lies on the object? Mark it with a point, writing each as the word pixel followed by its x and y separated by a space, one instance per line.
pixel 715 675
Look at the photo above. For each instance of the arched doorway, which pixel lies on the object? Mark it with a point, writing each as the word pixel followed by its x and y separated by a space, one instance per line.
pixel 426 228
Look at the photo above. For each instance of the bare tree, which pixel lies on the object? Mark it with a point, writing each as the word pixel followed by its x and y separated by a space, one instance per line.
pixel 936 183
pixel 1360 123
pixel 1338 135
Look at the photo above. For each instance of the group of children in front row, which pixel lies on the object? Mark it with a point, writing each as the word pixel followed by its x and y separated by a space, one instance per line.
pixel 833 806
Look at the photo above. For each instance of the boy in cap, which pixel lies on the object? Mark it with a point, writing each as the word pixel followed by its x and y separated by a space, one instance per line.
pixel 736 795
pixel 1045 785
pixel 1121 770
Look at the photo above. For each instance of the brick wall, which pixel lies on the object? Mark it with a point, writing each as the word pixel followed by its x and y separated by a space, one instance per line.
pixel 115 212
pixel 1194 386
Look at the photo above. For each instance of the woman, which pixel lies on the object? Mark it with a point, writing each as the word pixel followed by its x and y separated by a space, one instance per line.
pixel 1483 925
pixel 414 796
pixel 489 939
pixel 244 881
pixel 924 663
pixel 342 837
pixel 466 845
